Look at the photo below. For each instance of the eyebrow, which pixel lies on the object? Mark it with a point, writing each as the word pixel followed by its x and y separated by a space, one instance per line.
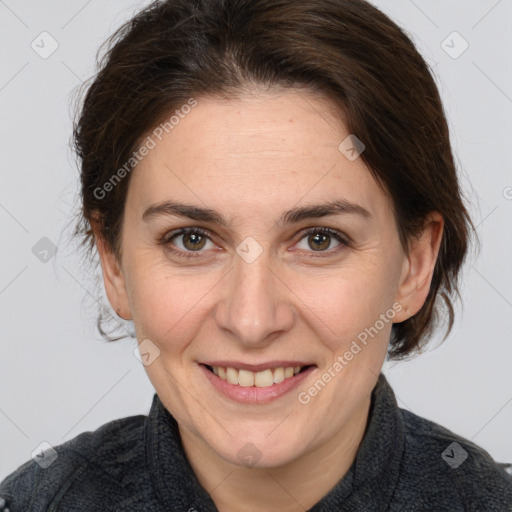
pixel 337 207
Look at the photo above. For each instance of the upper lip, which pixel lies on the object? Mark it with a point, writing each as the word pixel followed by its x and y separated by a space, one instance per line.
pixel 256 367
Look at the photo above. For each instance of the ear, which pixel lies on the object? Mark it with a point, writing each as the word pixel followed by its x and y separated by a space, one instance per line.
pixel 418 267
pixel 113 276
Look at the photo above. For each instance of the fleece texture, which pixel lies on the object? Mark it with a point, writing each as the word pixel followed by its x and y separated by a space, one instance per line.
pixel 405 463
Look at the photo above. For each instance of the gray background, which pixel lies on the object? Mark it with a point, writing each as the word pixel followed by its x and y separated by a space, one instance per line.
pixel 58 378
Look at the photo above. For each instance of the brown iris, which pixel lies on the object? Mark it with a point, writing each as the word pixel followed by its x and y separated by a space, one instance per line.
pixel 321 240
pixel 193 241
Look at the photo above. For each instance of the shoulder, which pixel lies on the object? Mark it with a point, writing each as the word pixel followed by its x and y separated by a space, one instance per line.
pixel 444 464
pixel 103 454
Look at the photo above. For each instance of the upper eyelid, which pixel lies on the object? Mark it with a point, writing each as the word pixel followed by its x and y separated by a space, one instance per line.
pixel 167 237
pixel 329 231
pixel 340 236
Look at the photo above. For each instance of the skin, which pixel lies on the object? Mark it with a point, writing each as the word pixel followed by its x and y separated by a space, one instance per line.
pixel 251 159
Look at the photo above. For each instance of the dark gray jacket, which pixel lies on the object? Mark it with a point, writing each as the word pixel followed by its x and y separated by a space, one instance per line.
pixel 404 464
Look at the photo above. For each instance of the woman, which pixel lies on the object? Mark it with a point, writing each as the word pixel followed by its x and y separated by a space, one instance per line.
pixel 271 190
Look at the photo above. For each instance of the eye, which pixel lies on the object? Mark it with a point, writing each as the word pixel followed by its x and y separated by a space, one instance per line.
pixel 186 241
pixel 190 242
pixel 320 240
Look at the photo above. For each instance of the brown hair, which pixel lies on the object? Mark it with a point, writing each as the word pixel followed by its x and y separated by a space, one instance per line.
pixel 346 50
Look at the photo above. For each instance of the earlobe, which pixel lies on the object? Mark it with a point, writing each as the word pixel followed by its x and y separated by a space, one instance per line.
pixel 113 276
pixel 419 266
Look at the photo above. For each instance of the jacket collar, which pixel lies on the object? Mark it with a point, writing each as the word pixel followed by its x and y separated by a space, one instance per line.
pixel 368 484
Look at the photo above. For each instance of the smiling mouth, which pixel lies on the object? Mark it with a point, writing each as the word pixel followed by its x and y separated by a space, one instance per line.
pixel 262 379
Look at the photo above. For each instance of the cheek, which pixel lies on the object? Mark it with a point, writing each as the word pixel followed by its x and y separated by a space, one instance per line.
pixel 346 304
pixel 171 306
pixel 167 306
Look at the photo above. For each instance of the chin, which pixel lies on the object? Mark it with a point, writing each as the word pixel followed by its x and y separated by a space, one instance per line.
pixel 259 448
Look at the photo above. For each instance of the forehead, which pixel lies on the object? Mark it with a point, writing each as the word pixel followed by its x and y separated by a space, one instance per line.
pixel 265 150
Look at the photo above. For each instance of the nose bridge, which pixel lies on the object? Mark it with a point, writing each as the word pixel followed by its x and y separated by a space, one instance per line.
pixel 255 305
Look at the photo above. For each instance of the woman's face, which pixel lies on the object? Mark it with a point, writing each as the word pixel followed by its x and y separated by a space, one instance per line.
pixel 261 287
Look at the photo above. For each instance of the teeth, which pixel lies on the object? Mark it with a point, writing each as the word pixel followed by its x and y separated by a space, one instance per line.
pixel 278 375
pixel 262 379
pixel 231 376
pixel 245 378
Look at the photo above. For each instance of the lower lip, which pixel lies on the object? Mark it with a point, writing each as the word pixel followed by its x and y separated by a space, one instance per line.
pixel 253 394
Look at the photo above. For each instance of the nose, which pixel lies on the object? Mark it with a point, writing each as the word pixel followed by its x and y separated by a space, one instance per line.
pixel 256 306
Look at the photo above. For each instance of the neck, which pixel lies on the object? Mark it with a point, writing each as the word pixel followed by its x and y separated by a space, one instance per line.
pixel 293 487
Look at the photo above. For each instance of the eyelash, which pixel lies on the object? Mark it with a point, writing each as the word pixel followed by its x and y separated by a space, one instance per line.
pixel 168 237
